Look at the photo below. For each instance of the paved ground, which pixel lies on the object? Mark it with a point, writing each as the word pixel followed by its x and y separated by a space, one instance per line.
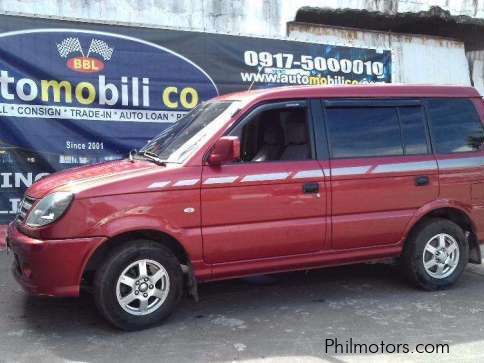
pixel 281 319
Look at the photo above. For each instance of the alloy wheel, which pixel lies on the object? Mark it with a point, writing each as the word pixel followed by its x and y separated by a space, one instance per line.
pixel 441 256
pixel 142 287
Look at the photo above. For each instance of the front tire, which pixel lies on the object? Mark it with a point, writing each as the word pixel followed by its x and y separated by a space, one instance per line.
pixel 435 254
pixel 138 285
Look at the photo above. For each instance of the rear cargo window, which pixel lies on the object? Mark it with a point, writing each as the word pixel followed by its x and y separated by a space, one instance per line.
pixel 455 126
pixel 363 132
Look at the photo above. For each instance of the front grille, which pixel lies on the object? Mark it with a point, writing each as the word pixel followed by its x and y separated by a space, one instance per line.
pixel 25 207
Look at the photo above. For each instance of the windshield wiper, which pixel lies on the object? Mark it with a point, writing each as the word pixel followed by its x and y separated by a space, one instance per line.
pixel 153 157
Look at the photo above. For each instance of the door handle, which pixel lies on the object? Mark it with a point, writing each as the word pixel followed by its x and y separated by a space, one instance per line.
pixel 311 188
pixel 422 180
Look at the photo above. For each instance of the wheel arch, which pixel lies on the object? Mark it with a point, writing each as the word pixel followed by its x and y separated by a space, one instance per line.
pixel 457 215
pixel 101 252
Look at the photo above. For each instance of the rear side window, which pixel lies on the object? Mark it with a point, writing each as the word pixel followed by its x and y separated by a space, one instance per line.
pixel 455 126
pixel 363 132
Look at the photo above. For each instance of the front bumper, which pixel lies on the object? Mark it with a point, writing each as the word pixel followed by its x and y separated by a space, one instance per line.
pixel 51 267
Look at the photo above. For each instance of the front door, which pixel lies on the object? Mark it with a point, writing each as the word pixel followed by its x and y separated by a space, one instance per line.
pixel 273 202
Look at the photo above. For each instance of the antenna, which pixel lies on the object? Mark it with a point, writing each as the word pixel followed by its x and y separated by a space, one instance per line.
pixel 253 81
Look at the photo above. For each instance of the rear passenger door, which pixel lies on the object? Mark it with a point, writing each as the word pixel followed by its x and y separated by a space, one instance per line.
pixel 381 169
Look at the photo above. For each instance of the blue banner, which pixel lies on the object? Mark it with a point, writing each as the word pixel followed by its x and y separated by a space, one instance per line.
pixel 76 93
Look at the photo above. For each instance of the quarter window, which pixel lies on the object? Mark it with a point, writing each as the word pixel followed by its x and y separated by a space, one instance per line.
pixel 455 125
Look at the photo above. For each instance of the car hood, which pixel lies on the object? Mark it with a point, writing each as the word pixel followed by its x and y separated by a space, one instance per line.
pixel 91 177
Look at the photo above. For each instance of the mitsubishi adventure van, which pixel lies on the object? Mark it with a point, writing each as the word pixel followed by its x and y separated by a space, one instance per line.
pixel 262 182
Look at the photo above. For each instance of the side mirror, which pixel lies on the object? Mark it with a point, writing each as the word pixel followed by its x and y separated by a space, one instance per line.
pixel 226 149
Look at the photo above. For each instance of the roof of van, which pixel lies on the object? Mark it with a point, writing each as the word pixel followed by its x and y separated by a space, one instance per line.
pixel 357 91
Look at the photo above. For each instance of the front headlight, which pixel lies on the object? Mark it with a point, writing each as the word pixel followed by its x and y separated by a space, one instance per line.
pixel 49 209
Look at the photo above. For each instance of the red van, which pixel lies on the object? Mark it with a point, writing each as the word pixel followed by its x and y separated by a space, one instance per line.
pixel 261 182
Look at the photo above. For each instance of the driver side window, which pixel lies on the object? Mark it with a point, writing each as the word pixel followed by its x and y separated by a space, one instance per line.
pixel 275 134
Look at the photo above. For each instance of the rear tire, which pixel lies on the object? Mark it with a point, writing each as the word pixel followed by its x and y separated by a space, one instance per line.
pixel 435 254
pixel 138 285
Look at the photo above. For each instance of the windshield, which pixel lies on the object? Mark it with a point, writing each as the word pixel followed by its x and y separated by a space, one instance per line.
pixel 180 140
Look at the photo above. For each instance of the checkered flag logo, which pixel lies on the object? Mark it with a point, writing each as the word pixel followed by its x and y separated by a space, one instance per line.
pixel 100 47
pixel 68 46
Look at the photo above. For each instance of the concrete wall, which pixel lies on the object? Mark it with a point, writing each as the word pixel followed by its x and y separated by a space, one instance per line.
pixel 415 59
pixel 252 17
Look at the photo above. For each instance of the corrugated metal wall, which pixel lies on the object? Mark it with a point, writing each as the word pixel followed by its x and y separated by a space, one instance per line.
pixel 415 59
pixel 476 67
